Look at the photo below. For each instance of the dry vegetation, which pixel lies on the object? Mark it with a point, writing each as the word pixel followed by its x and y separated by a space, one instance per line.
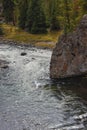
pixel 41 40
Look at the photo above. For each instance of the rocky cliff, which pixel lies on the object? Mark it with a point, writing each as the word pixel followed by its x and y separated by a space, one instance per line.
pixel 69 57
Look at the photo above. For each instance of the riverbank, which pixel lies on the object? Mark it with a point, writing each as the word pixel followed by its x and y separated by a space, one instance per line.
pixel 38 45
pixel 18 36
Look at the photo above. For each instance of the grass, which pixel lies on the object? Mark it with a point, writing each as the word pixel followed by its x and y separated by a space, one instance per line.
pixel 41 40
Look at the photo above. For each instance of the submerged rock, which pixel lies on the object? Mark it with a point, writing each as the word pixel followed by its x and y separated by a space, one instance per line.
pixel 69 57
pixel 4 64
pixel 23 53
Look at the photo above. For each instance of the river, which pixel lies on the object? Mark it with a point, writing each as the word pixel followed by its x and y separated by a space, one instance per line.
pixel 30 100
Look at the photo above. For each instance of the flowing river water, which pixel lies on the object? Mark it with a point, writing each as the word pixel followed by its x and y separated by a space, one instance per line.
pixel 29 100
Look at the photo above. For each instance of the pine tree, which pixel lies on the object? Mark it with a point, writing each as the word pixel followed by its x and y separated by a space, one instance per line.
pixel 23 13
pixel 16 11
pixel 36 21
pixel 84 6
pixel 8 10
pixel 1 30
pixel 54 23
pixel 75 13
pixel 67 24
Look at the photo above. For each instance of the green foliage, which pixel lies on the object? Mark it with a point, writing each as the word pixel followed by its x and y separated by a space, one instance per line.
pixel 84 6
pixel 36 21
pixel 67 22
pixel 23 14
pixel 54 23
pixel 37 15
pixel 8 10
pixel 1 30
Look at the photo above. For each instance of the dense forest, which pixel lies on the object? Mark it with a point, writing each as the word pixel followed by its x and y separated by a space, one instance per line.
pixel 41 16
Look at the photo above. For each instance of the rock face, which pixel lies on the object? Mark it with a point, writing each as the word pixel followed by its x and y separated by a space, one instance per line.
pixel 69 57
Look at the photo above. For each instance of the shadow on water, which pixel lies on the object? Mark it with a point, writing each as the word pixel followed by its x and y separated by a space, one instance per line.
pixel 71 98
pixel 76 86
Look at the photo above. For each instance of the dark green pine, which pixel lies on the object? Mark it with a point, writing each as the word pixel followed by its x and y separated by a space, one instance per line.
pixel 23 13
pixel 8 10
pixel 36 21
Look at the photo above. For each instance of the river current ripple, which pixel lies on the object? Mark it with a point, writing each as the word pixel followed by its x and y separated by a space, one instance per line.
pixel 29 100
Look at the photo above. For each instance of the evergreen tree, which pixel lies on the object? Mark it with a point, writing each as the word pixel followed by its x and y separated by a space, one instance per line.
pixel 54 23
pixel 1 31
pixel 36 21
pixel 23 13
pixel 8 10
pixel 75 13
pixel 16 11
pixel 67 24
pixel 84 6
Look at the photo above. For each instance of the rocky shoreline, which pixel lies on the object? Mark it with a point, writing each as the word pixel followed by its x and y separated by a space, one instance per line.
pixel 12 42
pixel 23 44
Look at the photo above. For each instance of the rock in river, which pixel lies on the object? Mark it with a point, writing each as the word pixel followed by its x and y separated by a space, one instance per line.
pixel 69 57
pixel 23 53
pixel 4 64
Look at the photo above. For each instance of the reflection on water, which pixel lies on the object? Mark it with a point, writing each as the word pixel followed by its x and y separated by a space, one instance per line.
pixel 29 100
pixel 76 85
pixel 72 94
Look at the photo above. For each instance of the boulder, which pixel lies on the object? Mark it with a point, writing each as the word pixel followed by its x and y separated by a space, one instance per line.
pixel 3 64
pixel 69 57
pixel 23 53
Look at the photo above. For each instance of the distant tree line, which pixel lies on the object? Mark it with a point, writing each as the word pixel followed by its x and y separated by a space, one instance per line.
pixel 40 16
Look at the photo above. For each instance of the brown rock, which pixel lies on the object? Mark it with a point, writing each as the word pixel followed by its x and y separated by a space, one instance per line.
pixel 69 57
